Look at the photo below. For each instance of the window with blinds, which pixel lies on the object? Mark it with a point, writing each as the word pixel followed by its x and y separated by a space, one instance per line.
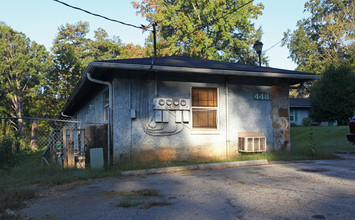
pixel 204 108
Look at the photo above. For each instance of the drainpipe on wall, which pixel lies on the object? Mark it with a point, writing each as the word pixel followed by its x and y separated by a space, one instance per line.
pixel 130 109
pixel 227 119
pixel 155 85
pixel 110 118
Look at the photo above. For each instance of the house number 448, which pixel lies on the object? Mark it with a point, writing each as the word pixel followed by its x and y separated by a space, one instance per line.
pixel 261 96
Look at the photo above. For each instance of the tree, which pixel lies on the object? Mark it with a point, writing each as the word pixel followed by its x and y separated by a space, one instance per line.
pixel 211 29
pixel 326 37
pixel 132 51
pixel 102 47
pixel 69 51
pixel 333 96
pixel 72 52
pixel 22 65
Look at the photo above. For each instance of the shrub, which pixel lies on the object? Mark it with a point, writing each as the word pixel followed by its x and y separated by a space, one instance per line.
pixel 333 96
pixel 294 125
pixel 7 156
pixel 306 121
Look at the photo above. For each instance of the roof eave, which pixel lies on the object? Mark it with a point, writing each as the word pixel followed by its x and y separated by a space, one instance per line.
pixel 157 68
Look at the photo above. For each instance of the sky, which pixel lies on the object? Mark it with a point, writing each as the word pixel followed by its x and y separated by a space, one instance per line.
pixel 39 20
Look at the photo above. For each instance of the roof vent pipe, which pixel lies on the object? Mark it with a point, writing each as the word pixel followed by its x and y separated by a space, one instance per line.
pixel 154 59
pixel 110 95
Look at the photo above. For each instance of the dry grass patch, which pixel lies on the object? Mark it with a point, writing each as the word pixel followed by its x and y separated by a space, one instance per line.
pixel 143 199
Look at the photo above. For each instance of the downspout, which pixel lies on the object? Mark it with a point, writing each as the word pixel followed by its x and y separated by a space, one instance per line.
pixel 130 109
pixel 110 118
pixel 227 118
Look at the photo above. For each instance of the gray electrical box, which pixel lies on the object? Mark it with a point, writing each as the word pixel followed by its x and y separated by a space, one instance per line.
pixel 158 116
pixel 178 116
pixel 96 158
pixel 186 116
pixel 165 116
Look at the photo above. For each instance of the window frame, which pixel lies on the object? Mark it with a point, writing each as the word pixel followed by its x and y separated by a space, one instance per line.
pixel 206 108
pixel 106 105
pixel 292 115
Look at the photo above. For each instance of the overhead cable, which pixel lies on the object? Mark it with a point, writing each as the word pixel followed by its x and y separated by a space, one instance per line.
pixel 272 46
pixel 244 5
pixel 142 27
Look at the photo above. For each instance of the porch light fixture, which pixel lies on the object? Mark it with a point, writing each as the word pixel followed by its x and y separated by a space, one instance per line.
pixel 258 47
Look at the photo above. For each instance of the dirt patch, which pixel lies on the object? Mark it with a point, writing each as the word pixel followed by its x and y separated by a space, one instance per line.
pixel 143 199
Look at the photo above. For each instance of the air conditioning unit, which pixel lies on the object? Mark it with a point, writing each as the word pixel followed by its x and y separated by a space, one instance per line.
pixel 252 143
pixel 171 103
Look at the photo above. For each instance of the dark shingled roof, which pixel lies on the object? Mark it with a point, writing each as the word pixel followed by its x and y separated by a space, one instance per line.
pixel 300 103
pixel 192 62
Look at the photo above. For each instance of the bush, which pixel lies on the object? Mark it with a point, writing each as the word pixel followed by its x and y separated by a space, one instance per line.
pixel 306 121
pixel 7 156
pixel 294 125
pixel 333 96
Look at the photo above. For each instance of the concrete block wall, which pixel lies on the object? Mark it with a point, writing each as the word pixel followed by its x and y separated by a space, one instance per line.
pixel 130 137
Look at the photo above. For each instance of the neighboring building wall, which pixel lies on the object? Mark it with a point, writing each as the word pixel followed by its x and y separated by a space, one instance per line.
pixel 299 114
pixel 130 139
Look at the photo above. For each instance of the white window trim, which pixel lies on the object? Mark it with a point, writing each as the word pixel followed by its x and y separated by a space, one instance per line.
pixel 205 130
pixel 293 115
pixel 105 106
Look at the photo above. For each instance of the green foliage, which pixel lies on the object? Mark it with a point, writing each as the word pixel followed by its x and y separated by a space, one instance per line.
pixel 22 70
pixel 312 145
pixel 327 139
pixel 13 198
pixel 306 121
pixel 72 52
pixel 133 51
pixel 333 96
pixel 326 37
pixel 7 152
pixel 217 30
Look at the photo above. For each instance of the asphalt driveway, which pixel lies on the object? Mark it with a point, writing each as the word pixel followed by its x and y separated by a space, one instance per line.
pixel 284 190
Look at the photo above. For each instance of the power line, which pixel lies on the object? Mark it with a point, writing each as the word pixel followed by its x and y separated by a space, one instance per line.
pixel 232 11
pixel 244 5
pixel 272 46
pixel 142 27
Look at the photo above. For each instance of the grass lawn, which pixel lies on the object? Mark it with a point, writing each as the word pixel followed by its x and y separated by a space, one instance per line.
pixel 311 143
pixel 22 181
pixel 326 139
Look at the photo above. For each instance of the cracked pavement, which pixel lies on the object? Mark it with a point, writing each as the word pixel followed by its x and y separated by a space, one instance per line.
pixel 280 190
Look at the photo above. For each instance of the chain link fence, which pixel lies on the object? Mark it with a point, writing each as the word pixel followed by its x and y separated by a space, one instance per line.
pixel 63 140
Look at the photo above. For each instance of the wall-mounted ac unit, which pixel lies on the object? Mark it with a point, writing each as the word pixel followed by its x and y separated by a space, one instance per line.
pixel 251 142
pixel 171 103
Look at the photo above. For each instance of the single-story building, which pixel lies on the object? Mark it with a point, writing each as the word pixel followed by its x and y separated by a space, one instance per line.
pixel 186 108
pixel 299 109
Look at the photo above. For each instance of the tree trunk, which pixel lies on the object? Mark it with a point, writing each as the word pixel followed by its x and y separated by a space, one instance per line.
pixel 17 104
pixel 34 136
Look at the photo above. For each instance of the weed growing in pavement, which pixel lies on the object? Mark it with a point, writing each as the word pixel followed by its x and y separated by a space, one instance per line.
pixel 144 199
pixel 129 204
pixel 152 204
